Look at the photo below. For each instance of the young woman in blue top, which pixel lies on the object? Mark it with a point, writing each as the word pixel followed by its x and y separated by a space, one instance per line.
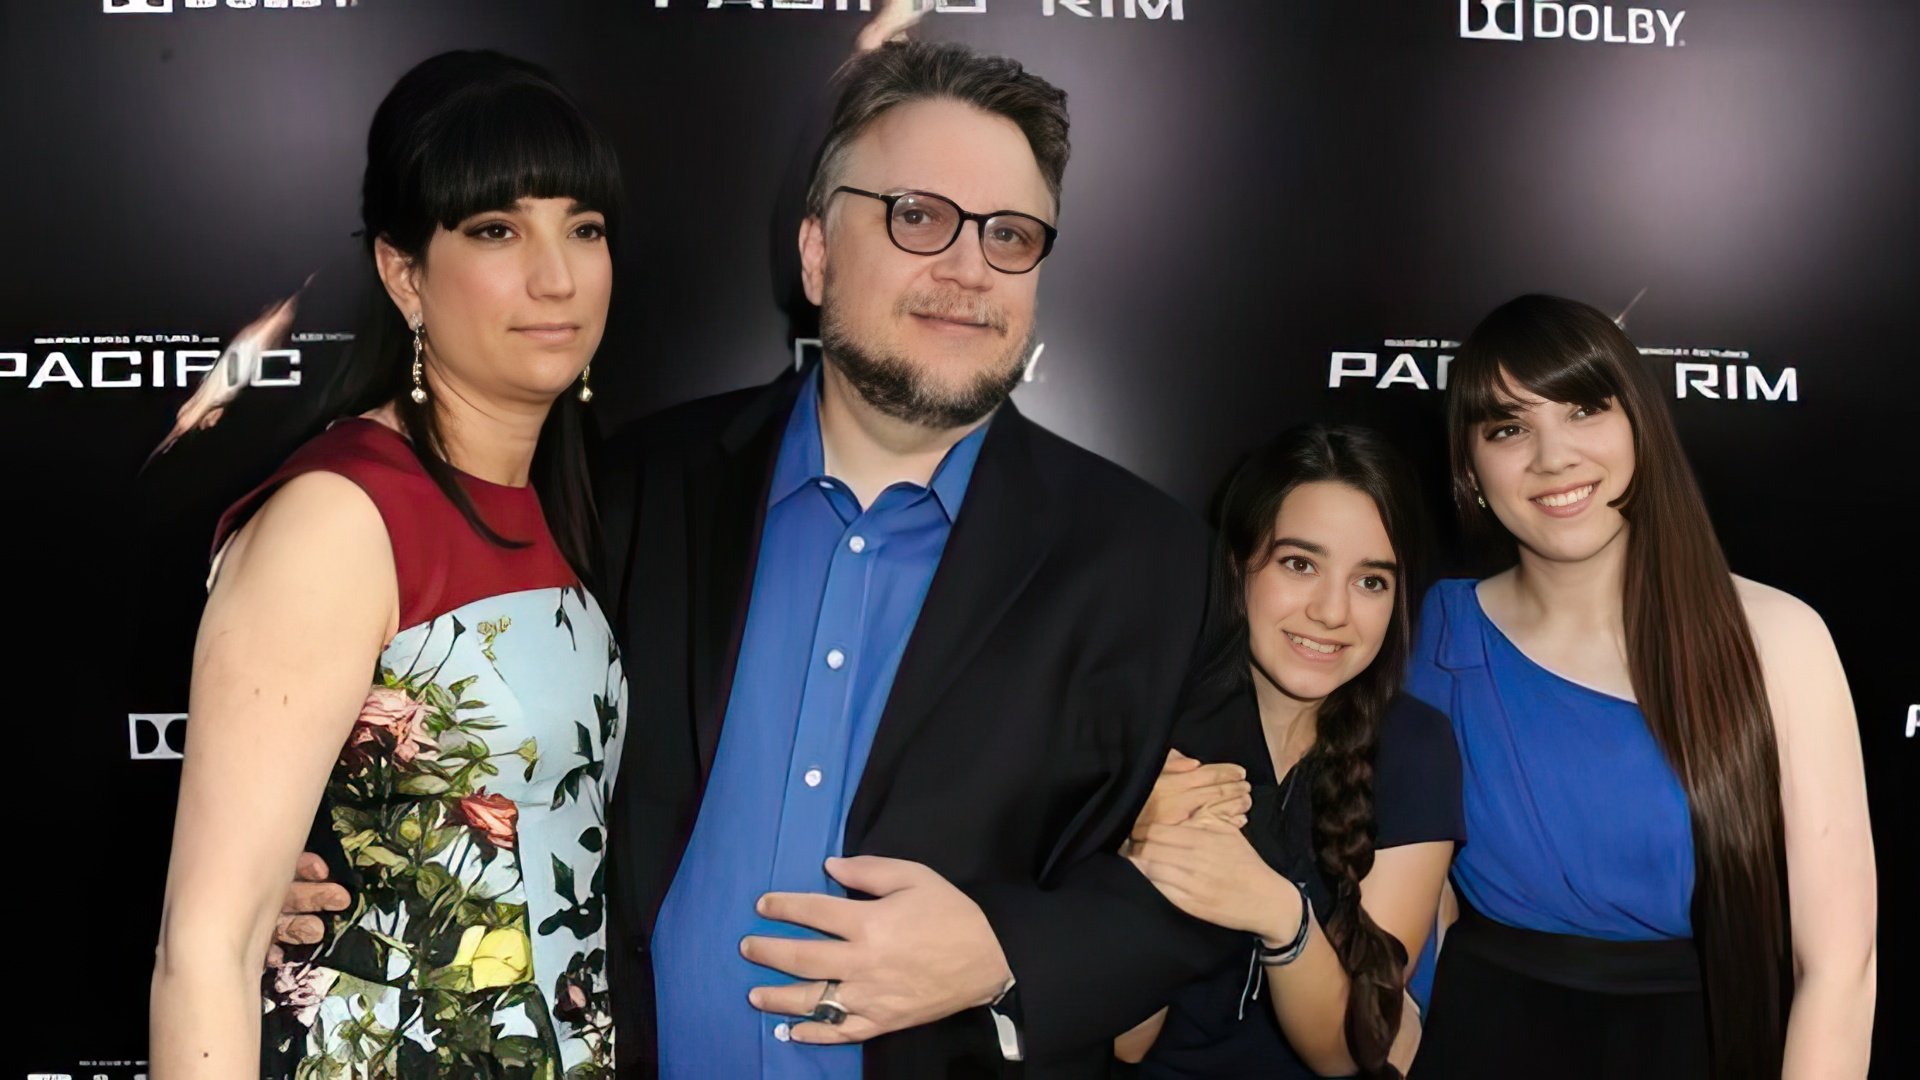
pixel 1336 866
pixel 1671 871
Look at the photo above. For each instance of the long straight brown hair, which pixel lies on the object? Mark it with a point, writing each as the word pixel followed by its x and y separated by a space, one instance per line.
pixel 1689 649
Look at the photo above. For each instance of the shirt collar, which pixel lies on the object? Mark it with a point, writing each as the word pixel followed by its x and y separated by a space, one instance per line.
pixel 955 474
pixel 802 458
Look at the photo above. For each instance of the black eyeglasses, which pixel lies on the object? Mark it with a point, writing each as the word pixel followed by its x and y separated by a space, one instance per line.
pixel 923 223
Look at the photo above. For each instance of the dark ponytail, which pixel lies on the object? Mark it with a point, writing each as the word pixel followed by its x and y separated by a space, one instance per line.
pixel 1340 763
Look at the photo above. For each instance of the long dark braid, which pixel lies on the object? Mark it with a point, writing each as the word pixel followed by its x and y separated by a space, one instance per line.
pixel 1343 834
pixel 1340 763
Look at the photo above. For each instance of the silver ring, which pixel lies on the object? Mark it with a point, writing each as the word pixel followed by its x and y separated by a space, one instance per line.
pixel 826 1010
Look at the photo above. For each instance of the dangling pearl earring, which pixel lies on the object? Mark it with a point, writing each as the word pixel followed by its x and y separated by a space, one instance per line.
pixel 419 343
pixel 586 392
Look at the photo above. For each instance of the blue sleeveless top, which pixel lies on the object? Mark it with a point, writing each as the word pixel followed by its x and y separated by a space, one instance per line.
pixel 1579 824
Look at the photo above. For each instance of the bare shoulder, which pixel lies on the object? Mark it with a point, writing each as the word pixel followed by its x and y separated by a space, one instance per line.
pixel 319 525
pixel 1780 619
pixel 1806 686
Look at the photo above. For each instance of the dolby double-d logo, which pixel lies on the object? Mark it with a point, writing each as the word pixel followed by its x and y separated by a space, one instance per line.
pixel 156 736
pixel 1492 20
pixel 1516 20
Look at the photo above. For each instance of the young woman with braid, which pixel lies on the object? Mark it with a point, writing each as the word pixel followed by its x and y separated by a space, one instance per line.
pixel 1671 872
pixel 1335 868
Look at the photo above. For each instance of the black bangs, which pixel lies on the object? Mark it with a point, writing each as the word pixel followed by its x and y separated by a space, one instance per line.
pixel 1551 349
pixel 514 142
pixel 469 132
pixel 1560 359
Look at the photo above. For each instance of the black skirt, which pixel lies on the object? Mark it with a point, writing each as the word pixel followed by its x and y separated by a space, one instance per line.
pixel 1520 1003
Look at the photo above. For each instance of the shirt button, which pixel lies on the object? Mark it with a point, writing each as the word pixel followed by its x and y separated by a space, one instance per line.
pixel 836 659
pixel 812 778
pixel 782 1032
pixel 857 544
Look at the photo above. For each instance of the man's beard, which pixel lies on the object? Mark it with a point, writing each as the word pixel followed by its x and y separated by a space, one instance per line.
pixel 890 383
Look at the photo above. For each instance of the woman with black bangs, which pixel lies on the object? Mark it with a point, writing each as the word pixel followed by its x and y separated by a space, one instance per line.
pixel 1671 872
pixel 437 534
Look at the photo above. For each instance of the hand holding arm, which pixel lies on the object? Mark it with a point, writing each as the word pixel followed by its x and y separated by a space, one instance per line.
pixel 1187 789
pixel 1214 873
pixel 1210 871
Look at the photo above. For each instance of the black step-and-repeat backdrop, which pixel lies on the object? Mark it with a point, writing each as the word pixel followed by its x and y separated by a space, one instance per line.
pixel 1277 210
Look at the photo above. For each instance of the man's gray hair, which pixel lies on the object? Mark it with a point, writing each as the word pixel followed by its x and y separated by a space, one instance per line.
pixel 902 72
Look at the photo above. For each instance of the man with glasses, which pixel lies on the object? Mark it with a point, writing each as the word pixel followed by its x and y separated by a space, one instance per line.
pixel 872 610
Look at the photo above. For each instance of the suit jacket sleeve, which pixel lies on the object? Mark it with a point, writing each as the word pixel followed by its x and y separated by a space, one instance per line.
pixel 1095 948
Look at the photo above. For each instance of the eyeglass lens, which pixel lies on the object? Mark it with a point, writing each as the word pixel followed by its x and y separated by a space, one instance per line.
pixel 928 224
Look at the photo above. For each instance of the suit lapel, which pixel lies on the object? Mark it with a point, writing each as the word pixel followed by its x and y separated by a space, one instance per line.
pixel 726 508
pixel 1004 531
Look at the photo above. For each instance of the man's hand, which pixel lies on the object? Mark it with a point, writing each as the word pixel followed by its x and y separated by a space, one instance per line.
pixel 310 892
pixel 920 951
pixel 1186 790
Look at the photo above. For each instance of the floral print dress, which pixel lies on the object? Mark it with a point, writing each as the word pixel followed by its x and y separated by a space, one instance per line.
pixel 469 805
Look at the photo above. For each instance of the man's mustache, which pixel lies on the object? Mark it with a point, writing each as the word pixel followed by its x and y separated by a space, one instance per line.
pixel 954 308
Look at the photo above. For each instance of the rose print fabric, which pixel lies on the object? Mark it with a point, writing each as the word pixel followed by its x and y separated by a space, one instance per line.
pixel 470 803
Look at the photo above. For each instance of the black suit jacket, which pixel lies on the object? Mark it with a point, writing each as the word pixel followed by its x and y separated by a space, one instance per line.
pixel 1032 709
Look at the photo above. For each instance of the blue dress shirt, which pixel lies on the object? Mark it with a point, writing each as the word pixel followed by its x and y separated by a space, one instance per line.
pixel 835 598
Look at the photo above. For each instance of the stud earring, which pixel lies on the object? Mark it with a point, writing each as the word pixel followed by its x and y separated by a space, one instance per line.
pixel 586 392
pixel 419 343
pixel 1482 500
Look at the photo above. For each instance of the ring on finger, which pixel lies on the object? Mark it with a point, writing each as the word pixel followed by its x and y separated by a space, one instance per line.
pixel 827 1010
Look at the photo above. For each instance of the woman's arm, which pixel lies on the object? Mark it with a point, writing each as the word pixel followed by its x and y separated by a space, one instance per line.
pixel 303 601
pixel 1309 996
pixel 1830 870
pixel 1211 872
